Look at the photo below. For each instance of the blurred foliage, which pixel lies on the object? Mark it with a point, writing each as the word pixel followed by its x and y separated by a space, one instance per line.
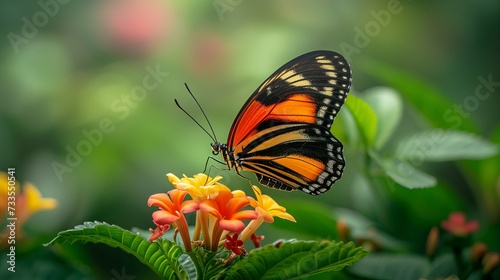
pixel 87 112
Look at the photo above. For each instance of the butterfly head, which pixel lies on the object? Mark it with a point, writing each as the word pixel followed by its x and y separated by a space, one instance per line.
pixel 228 156
pixel 216 148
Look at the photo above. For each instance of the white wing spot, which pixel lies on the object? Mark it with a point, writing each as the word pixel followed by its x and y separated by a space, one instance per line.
pixel 322 111
pixel 329 165
pixel 322 177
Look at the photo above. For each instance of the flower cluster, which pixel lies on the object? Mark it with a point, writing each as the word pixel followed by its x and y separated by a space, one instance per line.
pixel 219 213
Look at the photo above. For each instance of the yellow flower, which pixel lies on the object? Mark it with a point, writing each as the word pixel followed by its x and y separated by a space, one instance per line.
pixel 267 209
pixel 200 187
pixel 27 202
pixel 35 200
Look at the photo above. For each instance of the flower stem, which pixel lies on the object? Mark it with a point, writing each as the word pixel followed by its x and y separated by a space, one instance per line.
pixel 182 226
pixel 204 228
pixel 216 234
pixel 251 228
pixel 197 226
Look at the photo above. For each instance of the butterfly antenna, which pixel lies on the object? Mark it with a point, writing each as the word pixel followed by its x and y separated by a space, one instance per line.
pixel 212 136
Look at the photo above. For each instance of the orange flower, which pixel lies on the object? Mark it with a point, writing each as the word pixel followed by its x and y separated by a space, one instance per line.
pixel 226 209
pixel 172 210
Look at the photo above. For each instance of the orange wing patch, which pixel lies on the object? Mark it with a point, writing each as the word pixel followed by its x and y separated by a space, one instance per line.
pixel 298 108
pixel 305 166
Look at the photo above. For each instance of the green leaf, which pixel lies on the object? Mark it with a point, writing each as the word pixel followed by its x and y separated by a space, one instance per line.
pixel 427 99
pixel 443 266
pixel 209 265
pixel 404 173
pixel 362 228
pixel 388 107
pixel 391 266
pixel 443 145
pixel 408 176
pixel 161 256
pixel 405 266
pixel 293 260
pixel 365 118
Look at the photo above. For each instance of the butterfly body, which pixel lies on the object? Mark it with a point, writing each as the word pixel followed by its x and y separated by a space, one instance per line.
pixel 282 133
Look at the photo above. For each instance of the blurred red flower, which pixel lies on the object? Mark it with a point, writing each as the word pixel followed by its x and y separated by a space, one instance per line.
pixel 458 225
pixel 136 25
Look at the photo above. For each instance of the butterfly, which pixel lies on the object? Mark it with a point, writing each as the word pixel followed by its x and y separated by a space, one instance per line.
pixel 282 132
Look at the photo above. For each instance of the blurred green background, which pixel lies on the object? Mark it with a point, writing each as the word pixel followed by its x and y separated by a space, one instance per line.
pixel 99 79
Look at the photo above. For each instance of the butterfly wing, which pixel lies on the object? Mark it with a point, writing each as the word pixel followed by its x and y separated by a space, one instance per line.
pixel 282 133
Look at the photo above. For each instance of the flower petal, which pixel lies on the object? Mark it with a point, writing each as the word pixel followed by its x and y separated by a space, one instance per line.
pixel 35 200
pixel 177 197
pixel 232 225
pixel 211 207
pixel 161 200
pixel 245 215
pixel 236 203
pixel 189 206
pixel 471 226
pixel 457 218
pixel 174 180
pixel 162 217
